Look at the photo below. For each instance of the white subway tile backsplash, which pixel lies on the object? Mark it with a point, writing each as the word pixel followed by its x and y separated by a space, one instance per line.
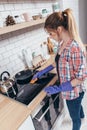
pixel 27 5
pixel 6 54
pixel 2 7
pixel 8 7
pixel 3 68
pixel 3 43
pixel 4 14
pixel 20 36
pixel 17 44
pixel 17 6
pixel 1 57
pixel 13 57
pixel 5 62
pixel 13 39
pixel 11 65
pixel 18 61
pixel 2 50
pixel 16 50
pixel 10 47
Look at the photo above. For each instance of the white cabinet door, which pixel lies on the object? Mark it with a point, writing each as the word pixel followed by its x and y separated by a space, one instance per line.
pixel 27 125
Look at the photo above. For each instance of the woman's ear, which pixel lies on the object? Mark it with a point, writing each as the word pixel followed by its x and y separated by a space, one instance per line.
pixel 59 30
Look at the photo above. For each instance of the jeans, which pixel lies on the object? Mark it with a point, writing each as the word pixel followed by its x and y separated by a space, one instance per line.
pixel 76 111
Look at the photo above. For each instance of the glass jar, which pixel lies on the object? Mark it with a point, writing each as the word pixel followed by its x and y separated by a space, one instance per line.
pixel 56 7
pixel 44 12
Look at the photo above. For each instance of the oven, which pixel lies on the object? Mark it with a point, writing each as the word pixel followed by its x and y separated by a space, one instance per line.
pixel 49 113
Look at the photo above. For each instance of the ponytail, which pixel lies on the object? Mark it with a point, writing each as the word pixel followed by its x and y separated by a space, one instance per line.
pixel 72 28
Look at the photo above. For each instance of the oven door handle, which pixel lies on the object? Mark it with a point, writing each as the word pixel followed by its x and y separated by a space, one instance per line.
pixel 40 118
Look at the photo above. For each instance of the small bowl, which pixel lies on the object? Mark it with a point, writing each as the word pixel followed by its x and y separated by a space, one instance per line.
pixel 35 17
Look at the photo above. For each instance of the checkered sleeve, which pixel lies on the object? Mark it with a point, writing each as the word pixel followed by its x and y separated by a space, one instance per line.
pixel 79 63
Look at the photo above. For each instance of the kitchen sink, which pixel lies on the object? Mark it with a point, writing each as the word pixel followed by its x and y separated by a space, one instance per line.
pixel 28 91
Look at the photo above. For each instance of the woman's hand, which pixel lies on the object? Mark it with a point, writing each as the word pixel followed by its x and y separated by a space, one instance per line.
pixel 40 73
pixel 64 87
pixel 76 82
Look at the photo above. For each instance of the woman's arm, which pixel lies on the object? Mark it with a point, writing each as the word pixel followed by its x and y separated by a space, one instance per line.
pixel 79 66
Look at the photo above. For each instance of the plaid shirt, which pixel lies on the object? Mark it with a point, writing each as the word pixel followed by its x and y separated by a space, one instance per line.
pixel 72 64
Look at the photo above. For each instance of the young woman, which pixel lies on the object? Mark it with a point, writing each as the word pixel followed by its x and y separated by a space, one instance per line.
pixel 70 63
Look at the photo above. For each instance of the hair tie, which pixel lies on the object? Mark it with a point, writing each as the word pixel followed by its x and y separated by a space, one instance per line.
pixel 65 20
pixel 64 14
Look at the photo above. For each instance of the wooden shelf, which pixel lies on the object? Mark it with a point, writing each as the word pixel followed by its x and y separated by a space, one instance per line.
pixel 15 27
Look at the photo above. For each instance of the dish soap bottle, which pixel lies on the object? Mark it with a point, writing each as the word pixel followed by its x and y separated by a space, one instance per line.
pixel 28 57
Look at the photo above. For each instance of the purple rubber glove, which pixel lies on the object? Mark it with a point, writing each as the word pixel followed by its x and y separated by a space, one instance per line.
pixel 40 73
pixel 64 87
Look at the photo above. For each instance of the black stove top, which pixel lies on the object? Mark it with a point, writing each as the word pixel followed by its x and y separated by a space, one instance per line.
pixel 28 92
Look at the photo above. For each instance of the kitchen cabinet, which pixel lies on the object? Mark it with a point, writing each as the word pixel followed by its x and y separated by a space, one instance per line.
pixel 15 27
pixel 27 124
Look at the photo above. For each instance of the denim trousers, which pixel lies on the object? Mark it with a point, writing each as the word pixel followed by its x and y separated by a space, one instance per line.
pixel 76 111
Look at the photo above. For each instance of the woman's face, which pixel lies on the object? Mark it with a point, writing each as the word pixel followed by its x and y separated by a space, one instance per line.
pixel 54 34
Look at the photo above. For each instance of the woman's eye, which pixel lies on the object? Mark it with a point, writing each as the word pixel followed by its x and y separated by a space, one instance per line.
pixel 50 33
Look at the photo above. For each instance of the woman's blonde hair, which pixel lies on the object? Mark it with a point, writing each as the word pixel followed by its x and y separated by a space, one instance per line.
pixel 67 20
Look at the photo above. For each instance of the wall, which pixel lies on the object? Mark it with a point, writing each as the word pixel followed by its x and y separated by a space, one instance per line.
pixel 73 4
pixel 12 44
pixel 83 20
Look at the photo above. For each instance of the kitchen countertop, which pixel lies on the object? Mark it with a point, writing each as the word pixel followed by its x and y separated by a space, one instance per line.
pixel 13 113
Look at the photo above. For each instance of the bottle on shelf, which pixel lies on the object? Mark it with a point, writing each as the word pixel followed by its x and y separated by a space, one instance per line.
pixel 44 49
pixel 27 55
